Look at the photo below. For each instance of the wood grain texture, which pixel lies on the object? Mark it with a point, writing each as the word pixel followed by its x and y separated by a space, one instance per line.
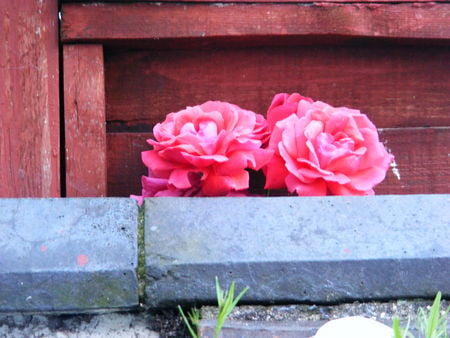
pixel 125 167
pixel 29 99
pixel 397 86
pixel 256 1
pixel 421 155
pixel 109 22
pixel 85 131
pixel 421 158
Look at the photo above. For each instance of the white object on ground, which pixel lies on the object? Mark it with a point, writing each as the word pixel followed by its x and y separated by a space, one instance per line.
pixel 354 327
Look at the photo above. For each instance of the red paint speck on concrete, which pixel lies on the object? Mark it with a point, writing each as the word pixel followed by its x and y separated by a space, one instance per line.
pixel 82 260
pixel 43 248
pixel 347 250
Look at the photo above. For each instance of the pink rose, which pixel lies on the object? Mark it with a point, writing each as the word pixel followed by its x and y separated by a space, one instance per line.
pixel 205 150
pixel 159 187
pixel 284 105
pixel 322 150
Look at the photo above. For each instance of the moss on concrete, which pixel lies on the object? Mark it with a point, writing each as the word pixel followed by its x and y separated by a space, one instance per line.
pixel 141 256
pixel 99 292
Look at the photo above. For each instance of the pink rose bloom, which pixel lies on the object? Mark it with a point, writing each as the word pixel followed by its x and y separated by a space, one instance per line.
pixel 159 187
pixel 322 150
pixel 205 151
pixel 284 105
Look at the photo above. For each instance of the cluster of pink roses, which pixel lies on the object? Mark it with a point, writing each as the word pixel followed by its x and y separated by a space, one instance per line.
pixel 306 146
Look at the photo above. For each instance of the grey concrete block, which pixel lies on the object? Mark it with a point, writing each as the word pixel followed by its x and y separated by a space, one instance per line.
pixel 292 249
pixel 68 255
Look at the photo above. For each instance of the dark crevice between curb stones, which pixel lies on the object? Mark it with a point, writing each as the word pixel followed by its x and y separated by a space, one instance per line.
pixel 166 321
pixel 141 274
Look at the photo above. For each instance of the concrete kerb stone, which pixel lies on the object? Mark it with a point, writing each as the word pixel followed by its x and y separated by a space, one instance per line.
pixel 68 255
pixel 81 255
pixel 297 250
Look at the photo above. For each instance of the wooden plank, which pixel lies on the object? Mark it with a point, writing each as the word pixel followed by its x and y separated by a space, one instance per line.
pixel 29 99
pixel 85 131
pixel 125 167
pixel 421 158
pixel 395 85
pixel 257 1
pixel 116 22
pixel 422 161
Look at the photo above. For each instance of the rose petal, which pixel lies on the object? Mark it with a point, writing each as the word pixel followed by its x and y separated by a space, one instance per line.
pixel 275 173
pixel 262 157
pixel 315 188
pixel 138 199
pixel 215 185
pixel 282 106
pixel 347 190
pixel 204 160
pixel 367 179
pixel 155 162
pixel 179 178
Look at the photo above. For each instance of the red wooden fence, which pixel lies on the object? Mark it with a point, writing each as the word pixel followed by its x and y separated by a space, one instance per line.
pixel 126 65
pixel 84 115
pixel 29 99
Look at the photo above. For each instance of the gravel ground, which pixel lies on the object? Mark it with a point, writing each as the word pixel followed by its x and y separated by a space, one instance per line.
pixel 169 324
pixel 382 311
pixel 114 325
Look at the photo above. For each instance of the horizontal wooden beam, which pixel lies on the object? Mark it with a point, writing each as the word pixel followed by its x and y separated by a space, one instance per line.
pixel 421 160
pixel 258 1
pixel 117 22
pixel 396 86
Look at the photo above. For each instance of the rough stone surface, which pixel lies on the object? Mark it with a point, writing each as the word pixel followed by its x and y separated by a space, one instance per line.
pixel 98 326
pixel 236 329
pixel 68 255
pixel 244 321
pixel 305 320
pixel 381 311
pixel 112 325
pixel 294 250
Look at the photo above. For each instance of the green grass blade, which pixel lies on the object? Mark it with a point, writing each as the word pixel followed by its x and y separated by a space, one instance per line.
pixel 433 317
pixel 399 332
pixel 186 321
pixel 421 322
pixel 226 304
pixel 229 295
pixel 405 332
pixel 219 293
pixel 241 294
pixel 396 328
pixel 194 317
pixel 433 324
pixel 442 325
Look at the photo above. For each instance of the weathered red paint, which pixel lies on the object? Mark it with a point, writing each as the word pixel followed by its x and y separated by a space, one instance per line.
pixel 359 55
pixel 121 22
pixel 84 112
pixel 421 158
pixel 29 99
pixel 257 1
pixel 396 86
pixel 82 260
